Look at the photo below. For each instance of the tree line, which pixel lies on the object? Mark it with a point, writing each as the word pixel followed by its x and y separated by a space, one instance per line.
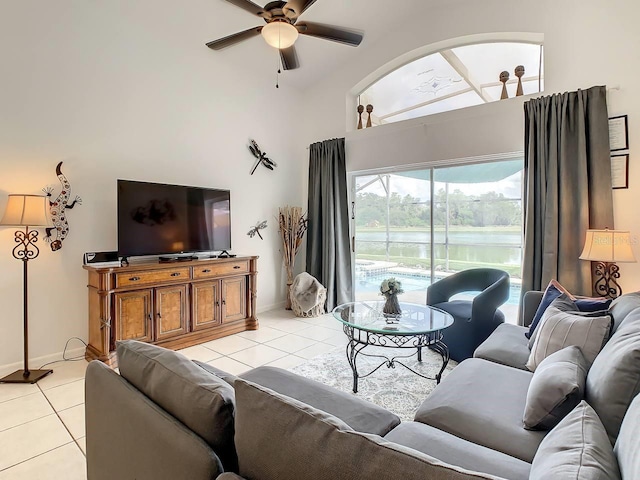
pixel 484 210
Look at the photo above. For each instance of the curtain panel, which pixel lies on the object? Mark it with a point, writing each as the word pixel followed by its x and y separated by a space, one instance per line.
pixel 567 186
pixel 328 245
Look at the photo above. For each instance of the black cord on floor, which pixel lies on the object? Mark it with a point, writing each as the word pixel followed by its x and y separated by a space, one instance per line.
pixel 64 353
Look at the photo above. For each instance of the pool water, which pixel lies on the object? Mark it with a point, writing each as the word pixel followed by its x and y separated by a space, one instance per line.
pixel 412 283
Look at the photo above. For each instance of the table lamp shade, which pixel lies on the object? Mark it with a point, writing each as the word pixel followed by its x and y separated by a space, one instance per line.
pixel 27 210
pixel 611 246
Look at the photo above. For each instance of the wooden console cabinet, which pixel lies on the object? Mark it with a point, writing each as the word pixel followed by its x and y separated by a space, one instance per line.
pixel 174 305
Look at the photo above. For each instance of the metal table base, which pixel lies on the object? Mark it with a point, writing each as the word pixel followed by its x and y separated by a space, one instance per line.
pixel 359 339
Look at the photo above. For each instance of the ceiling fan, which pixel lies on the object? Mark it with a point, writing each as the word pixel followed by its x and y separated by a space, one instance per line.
pixel 282 29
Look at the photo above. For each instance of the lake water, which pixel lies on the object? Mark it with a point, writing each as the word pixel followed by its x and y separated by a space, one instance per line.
pixel 481 247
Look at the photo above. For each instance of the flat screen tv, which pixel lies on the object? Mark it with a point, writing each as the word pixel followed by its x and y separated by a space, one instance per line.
pixel 158 219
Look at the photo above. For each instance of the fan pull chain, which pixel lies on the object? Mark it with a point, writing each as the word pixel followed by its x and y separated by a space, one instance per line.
pixel 278 72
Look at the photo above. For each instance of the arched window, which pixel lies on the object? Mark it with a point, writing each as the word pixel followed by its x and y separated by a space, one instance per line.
pixel 455 78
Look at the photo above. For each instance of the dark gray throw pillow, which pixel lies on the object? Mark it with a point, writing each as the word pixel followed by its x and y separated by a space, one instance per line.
pixel 200 400
pixel 556 388
pixel 577 448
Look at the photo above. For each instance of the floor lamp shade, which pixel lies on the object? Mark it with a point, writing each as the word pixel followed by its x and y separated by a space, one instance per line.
pixel 607 247
pixel 26 211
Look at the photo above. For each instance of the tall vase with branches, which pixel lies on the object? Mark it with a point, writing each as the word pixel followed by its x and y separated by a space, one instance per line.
pixel 292 226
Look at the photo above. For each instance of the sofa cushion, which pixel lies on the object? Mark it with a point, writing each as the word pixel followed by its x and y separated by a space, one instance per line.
pixel 313 444
pixel 622 306
pixel 626 448
pixel 614 378
pixel 556 388
pixel 483 402
pixel 359 414
pixel 561 327
pixel 457 451
pixel 577 448
pixel 201 401
pixel 506 345
pixel 226 376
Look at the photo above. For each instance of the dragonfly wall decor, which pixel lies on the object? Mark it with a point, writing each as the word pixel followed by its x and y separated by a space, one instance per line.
pixel 256 229
pixel 261 157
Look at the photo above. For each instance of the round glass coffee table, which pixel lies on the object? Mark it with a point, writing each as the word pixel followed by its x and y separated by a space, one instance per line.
pixel 416 327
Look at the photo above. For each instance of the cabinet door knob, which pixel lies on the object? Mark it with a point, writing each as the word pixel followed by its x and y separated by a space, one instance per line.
pixel 206 270
pixel 236 267
pixel 149 316
pixel 175 274
pixel 159 316
pixel 134 279
pixel 217 303
pixel 224 302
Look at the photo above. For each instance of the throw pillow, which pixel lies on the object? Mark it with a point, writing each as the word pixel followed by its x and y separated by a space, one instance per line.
pixel 556 388
pixel 586 306
pixel 200 400
pixel 559 329
pixel 553 291
pixel 578 447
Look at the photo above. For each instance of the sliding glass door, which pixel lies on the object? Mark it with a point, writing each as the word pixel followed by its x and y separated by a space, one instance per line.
pixel 476 221
pixel 392 224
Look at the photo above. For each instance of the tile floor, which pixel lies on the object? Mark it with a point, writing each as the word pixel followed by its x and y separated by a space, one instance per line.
pixel 42 426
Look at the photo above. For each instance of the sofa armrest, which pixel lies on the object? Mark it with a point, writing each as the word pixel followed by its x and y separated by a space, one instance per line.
pixel 129 436
pixel 530 302
pixel 362 416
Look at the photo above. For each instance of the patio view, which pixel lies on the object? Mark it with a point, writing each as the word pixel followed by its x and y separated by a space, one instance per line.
pixel 422 225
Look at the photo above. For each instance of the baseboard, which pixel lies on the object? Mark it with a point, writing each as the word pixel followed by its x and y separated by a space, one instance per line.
pixel 76 352
pixel 266 308
pixel 36 362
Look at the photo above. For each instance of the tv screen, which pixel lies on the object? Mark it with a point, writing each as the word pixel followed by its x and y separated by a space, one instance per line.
pixel 157 219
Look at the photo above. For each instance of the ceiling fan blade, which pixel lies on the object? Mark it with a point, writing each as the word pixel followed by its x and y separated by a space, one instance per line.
pixel 295 8
pixel 289 58
pixel 249 7
pixel 328 32
pixel 233 39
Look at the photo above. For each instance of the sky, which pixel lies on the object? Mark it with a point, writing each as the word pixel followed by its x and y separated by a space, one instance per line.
pixel 511 186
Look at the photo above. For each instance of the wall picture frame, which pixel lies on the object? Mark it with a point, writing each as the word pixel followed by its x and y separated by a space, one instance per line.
pixel 620 171
pixel 618 133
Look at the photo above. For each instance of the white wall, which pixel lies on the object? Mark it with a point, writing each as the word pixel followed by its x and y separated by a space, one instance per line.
pixel 121 89
pixel 587 43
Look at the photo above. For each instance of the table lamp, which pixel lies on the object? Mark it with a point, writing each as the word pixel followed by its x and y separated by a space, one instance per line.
pixel 607 247
pixel 26 211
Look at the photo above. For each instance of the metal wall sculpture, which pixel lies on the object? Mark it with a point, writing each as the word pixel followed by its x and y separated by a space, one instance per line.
pixel 58 209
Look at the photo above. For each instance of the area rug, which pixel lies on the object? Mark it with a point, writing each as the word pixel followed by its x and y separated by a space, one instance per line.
pixel 396 389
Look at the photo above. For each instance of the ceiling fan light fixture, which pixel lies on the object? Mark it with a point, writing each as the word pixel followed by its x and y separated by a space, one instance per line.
pixel 279 34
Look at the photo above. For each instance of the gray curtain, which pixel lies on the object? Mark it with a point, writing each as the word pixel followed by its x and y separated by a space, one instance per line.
pixel 567 187
pixel 328 252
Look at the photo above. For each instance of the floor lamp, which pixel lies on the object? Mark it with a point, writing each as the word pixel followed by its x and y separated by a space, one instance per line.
pixel 606 248
pixel 26 211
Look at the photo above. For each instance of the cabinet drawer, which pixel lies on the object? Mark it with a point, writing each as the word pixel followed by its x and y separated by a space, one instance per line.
pixel 227 268
pixel 132 279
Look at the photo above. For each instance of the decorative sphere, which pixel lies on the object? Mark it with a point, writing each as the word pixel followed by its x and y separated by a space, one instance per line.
pixel 369 108
pixel 504 76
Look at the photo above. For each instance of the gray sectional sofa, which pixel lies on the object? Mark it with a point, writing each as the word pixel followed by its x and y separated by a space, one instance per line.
pixel 166 417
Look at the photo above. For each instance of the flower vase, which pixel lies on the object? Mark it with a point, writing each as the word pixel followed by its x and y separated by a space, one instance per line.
pixel 392 305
